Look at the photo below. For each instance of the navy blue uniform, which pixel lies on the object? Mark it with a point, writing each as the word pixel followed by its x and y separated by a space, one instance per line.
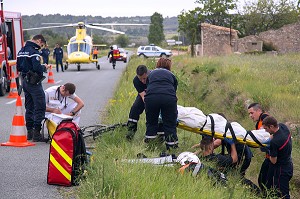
pixel 161 98
pixel 58 54
pixel 45 52
pixel 138 106
pixel 28 59
pixel 280 174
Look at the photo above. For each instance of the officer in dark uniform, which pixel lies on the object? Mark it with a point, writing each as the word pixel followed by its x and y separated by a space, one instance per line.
pixel 58 55
pixel 138 106
pixel 45 52
pixel 280 169
pixel 29 65
pixel 161 98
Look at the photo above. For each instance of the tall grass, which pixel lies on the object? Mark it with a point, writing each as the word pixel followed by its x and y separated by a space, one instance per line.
pixel 219 84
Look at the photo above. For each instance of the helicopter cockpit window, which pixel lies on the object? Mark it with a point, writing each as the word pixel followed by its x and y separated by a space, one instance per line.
pixel 84 47
pixel 72 48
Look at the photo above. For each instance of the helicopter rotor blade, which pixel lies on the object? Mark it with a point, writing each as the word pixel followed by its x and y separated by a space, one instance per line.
pixel 106 29
pixel 45 27
pixel 118 24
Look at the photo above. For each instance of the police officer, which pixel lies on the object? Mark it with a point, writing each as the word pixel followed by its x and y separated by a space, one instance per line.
pixel 58 55
pixel 45 52
pixel 280 170
pixel 161 98
pixel 29 65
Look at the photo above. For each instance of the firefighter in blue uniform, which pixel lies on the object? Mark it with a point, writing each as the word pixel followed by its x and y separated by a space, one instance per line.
pixel 138 106
pixel 45 52
pixel 280 170
pixel 58 55
pixel 161 98
pixel 31 70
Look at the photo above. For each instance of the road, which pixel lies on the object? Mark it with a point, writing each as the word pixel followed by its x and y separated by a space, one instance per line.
pixel 23 171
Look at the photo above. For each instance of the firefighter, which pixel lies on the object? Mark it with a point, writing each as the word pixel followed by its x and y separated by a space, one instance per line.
pixel 161 99
pixel 257 114
pixel 280 170
pixel 58 55
pixel 31 70
pixel 45 52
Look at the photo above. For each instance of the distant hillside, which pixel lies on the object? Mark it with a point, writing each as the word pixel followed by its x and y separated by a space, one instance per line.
pixel 170 24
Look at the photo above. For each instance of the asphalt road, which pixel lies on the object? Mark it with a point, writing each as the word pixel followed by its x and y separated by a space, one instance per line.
pixel 23 170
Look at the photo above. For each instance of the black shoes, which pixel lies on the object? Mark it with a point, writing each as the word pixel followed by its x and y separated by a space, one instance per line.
pixel 30 134
pixel 37 136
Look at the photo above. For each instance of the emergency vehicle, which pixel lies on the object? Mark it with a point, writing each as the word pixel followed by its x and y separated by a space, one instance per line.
pixel 11 41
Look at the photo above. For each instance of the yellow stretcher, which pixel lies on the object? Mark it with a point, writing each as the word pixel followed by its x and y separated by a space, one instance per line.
pixel 219 135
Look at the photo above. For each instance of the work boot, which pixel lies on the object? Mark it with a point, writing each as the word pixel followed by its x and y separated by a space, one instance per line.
pixel 29 134
pixel 37 136
pixel 132 128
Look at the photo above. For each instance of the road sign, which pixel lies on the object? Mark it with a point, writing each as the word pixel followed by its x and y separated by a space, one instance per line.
pixel 178 42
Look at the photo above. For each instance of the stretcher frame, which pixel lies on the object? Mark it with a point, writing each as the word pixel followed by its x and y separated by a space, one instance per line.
pixel 218 135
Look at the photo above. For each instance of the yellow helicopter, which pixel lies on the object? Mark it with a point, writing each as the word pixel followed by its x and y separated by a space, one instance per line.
pixel 80 46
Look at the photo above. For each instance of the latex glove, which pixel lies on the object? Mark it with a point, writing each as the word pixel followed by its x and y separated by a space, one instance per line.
pixel 265 149
pixel 228 141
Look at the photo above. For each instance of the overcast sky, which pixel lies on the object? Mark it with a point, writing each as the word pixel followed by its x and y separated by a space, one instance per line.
pixel 107 8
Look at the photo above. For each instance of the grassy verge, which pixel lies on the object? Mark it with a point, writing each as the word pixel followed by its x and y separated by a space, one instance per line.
pixel 219 84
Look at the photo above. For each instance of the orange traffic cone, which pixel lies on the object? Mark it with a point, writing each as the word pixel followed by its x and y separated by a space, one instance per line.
pixel 50 76
pixel 13 93
pixel 18 137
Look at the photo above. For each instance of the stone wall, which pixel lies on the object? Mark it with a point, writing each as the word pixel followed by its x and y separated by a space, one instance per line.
pixel 285 39
pixel 216 40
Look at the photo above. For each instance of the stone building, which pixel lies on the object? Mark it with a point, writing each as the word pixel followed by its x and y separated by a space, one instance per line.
pixel 216 40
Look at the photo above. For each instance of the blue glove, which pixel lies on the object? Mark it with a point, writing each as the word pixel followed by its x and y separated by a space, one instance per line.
pixel 265 149
pixel 228 141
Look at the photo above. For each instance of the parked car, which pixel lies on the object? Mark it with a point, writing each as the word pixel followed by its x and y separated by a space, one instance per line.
pixel 153 51
pixel 123 55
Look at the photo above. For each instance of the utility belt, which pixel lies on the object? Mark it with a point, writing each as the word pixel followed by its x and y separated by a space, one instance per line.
pixel 33 78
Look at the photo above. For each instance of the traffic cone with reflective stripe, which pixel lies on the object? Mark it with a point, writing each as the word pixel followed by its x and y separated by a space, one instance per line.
pixel 50 76
pixel 18 137
pixel 13 93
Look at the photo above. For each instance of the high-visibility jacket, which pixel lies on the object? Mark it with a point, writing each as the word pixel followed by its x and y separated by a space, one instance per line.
pixel 116 53
pixel 95 52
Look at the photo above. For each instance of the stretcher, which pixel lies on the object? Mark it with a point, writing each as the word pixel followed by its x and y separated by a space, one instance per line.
pixel 193 120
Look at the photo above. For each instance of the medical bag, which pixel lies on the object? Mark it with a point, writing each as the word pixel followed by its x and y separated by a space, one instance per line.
pixel 116 53
pixel 67 155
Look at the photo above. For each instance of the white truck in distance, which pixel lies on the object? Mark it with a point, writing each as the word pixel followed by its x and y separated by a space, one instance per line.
pixel 153 51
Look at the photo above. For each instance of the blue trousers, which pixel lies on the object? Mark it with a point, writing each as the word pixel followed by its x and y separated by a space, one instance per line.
pixel 35 105
pixel 59 61
pixel 167 106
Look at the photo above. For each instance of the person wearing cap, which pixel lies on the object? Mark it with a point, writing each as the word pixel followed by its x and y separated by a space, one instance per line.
pixel 31 71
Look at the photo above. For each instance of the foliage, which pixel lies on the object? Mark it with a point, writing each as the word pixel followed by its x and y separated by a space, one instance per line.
pixel 216 12
pixel 262 15
pixel 189 25
pixel 156 29
pixel 122 40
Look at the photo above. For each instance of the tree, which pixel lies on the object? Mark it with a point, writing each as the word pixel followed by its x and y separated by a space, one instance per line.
pixel 216 12
pixel 264 15
pixel 122 40
pixel 156 29
pixel 189 24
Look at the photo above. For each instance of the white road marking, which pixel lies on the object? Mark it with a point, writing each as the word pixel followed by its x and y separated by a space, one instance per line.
pixel 13 101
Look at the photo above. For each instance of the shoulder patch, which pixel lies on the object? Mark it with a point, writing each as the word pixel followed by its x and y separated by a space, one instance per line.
pixel 38 58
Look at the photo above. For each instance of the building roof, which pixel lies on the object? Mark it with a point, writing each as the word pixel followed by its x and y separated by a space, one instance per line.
pixel 219 27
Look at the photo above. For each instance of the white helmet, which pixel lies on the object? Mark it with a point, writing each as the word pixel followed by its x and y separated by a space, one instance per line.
pixel 187 157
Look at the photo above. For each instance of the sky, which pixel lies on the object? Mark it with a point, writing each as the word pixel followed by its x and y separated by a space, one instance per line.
pixel 107 8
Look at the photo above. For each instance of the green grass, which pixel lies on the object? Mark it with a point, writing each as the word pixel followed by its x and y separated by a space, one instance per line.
pixel 218 84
